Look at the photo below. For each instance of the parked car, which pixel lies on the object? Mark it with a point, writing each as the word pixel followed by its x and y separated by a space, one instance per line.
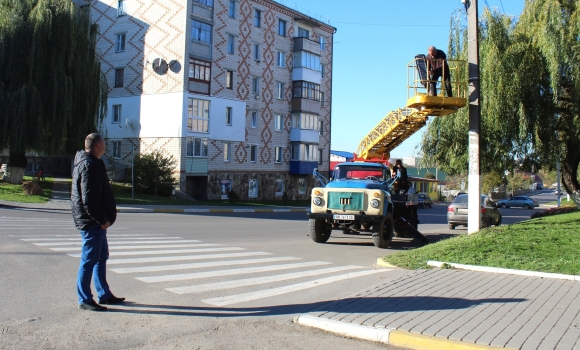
pixel 425 200
pixel 518 201
pixel 457 212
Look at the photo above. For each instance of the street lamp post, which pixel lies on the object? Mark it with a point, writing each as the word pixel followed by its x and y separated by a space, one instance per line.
pixel 133 174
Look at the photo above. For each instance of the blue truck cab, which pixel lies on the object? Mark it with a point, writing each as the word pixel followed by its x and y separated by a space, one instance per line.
pixel 359 198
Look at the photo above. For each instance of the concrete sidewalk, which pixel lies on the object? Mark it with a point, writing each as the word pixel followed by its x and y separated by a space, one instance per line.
pixel 60 200
pixel 457 309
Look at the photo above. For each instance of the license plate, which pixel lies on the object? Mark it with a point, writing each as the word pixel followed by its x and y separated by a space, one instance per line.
pixel 343 217
pixel 462 211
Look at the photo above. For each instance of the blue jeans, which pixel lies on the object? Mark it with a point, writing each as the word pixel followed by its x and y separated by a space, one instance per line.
pixel 94 255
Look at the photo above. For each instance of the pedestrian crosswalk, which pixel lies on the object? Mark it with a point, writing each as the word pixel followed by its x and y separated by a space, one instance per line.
pixel 225 275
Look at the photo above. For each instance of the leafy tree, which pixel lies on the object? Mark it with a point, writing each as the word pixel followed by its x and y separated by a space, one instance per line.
pixel 530 88
pixel 429 175
pixel 52 90
pixel 490 180
pixel 154 173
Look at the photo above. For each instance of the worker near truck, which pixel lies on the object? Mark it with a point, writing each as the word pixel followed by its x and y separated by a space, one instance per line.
pixel 438 67
pixel 400 172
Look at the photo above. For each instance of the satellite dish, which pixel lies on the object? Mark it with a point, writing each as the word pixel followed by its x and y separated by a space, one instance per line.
pixel 160 66
pixel 257 96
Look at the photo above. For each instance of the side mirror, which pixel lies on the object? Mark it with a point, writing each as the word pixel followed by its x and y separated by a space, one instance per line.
pixel 314 172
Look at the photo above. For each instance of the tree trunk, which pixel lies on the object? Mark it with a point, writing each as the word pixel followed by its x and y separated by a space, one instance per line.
pixel 570 174
pixel 15 168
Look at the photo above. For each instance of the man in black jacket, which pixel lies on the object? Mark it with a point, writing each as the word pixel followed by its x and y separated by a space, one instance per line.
pixel 437 66
pixel 94 210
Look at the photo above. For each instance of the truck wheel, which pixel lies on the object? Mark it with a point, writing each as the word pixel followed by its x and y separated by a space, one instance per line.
pixel 451 227
pixel 319 230
pixel 383 234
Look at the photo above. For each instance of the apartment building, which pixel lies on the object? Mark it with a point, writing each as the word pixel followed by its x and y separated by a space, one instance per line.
pixel 238 92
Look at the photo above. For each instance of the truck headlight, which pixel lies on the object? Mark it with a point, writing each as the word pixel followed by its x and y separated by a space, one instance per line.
pixel 317 201
pixel 375 203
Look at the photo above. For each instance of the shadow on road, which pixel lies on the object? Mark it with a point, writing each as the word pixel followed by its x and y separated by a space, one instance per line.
pixel 377 304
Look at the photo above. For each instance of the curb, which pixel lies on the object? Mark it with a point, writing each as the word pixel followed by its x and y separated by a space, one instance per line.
pixel 386 335
pixel 560 276
pixel 207 210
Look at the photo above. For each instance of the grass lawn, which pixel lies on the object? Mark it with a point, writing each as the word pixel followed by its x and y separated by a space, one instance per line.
pixel 14 193
pixel 123 196
pixel 546 244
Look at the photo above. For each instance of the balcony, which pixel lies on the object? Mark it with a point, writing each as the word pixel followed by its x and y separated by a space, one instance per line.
pixel 202 11
pixel 305 44
pixel 300 167
pixel 305 105
pixel 304 136
pixel 306 74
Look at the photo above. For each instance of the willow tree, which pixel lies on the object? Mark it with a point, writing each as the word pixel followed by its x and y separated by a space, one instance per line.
pixel 52 90
pixel 530 88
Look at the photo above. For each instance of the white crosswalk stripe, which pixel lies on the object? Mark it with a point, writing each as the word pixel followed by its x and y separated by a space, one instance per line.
pixel 72 249
pixel 199 265
pixel 160 255
pixel 232 272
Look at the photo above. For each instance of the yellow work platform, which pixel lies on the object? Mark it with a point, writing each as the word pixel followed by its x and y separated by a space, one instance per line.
pixel 399 125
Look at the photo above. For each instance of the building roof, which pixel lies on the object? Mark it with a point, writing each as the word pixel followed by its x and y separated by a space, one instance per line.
pixel 347 155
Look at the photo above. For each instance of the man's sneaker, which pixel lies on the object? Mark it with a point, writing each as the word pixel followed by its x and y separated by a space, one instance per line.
pixel 92 306
pixel 112 300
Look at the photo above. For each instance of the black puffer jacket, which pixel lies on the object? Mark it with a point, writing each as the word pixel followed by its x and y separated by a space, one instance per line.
pixel 92 198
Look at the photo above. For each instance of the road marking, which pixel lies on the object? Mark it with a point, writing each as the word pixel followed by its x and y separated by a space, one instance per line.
pixel 78 238
pixel 79 242
pixel 77 235
pixel 182 258
pixel 220 273
pixel 256 280
pixel 69 249
pixel 174 251
pixel 200 265
pixel 240 298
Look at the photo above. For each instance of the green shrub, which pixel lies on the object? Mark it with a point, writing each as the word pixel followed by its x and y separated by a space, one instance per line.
pixel 154 173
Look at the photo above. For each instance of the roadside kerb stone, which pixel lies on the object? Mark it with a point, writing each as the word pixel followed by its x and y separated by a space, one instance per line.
pixel 559 276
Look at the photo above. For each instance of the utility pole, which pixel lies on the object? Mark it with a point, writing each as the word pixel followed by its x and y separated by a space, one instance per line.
pixel 474 201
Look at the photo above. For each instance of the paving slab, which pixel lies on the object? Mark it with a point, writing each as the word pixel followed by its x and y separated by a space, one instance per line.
pixel 449 308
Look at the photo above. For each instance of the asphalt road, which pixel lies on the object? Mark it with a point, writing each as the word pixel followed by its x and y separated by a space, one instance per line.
pixel 212 281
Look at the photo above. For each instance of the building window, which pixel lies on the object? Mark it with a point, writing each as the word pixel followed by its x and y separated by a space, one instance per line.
pixel 120 46
pixel 200 32
pixel 208 3
pixel 232 9
pixel 320 156
pixel 322 41
pixel 257 18
pixel 231 43
pixel 254 119
pixel 253 153
pixel 229 115
pixel 281 27
pixel 281 59
pixel 117 113
pixel 256 85
pixel 321 99
pixel 321 127
pixel 303 33
pixel 196 147
pixel 305 121
pixel 305 89
pixel 307 60
pixel 304 152
pixel 121 8
pixel 278 122
pixel 198 115
pixel 280 91
pixel 227 152
pixel 229 79
pixel 277 154
pixel 199 76
pixel 119 77
pixel 257 52
pixel 116 149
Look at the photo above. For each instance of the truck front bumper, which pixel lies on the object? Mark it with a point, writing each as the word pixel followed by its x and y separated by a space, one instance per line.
pixel 357 217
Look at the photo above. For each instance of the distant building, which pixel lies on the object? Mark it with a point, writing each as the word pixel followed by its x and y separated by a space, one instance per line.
pixel 339 157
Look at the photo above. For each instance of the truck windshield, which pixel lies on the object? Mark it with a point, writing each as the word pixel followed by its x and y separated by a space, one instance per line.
pixel 357 173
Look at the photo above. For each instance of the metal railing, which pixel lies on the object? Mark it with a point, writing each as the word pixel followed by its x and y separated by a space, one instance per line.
pixel 419 79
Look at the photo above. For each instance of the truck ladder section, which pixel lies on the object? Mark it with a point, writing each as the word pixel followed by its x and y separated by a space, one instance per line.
pixel 400 124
